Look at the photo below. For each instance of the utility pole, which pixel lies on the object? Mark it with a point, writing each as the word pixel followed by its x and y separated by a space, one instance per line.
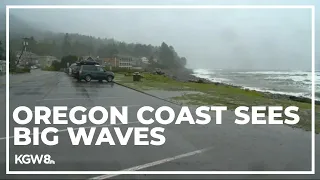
pixel 24 48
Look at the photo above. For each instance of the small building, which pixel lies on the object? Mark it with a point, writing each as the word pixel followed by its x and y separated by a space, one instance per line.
pixel 124 61
pixel 86 58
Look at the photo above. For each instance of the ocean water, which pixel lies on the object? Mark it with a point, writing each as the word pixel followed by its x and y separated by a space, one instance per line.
pixel 296 83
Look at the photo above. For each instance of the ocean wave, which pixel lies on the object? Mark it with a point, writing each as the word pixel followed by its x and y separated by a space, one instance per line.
pixel 295 83
pixel 306 80
pixel 290 79
pixel 297 73
pixel 203 71
pixel 306 95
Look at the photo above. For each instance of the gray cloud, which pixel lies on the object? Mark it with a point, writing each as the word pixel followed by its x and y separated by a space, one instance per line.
pixel 250 39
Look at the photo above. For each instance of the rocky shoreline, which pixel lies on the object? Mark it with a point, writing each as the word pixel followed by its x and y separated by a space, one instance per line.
pixel 186 75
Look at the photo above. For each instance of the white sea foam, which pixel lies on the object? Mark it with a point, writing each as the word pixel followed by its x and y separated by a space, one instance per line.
pixel 295 83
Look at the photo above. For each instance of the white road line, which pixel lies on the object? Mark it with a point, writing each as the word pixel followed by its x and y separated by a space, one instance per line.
pixel 86 127
pixel 155 163
pixel 60 99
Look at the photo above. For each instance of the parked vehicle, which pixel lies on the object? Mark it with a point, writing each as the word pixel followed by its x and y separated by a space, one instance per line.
pixel 71 69
pixel 76 67
pixel 94 72
pixel 34 67
pixel 75 71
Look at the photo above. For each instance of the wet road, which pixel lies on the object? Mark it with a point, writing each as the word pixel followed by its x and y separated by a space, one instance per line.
pixel 188 147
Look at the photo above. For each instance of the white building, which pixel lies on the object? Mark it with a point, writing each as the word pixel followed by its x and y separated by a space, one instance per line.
pixel 145 60
pixel 125 61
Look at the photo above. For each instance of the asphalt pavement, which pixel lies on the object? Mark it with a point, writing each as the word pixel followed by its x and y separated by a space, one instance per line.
pixel 226 147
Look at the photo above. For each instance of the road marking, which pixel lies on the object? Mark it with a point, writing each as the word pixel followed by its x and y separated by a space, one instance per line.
pixel 155 163
pixel 86 127
pixel 60 99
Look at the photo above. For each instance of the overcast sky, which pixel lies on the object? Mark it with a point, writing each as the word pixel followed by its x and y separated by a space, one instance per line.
pixel 271 39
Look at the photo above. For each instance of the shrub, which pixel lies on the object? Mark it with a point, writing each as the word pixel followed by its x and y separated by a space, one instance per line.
pixel 21 70
pixel 49 68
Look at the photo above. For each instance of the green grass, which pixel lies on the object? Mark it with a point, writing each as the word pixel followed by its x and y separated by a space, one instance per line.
pixel 218 94
pixel 19 70
pixel 49 68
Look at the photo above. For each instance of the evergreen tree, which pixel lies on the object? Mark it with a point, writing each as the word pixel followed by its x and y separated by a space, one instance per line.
pixel 166 55
pixel 64 44
pixel 67 59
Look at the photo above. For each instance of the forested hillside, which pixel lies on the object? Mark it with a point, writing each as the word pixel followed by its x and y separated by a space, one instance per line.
pixel 43 42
